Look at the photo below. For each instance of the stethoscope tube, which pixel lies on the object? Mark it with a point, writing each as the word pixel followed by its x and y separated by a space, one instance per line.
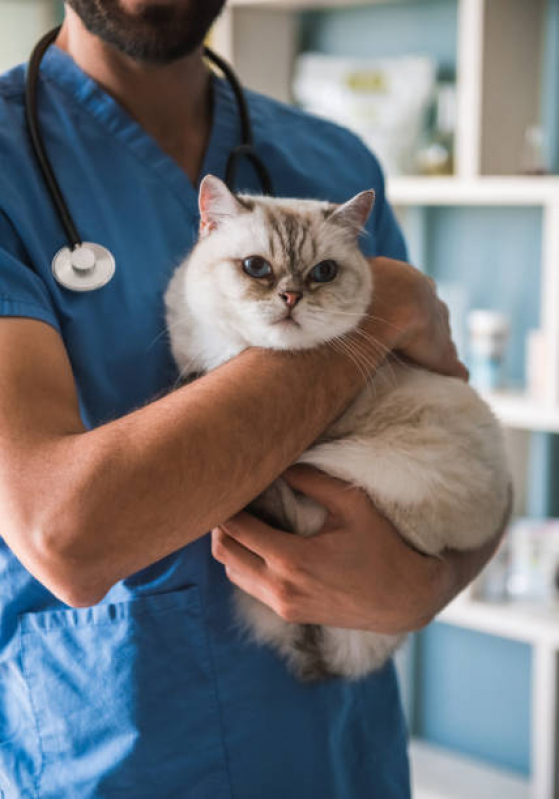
pixel 37 144
pixel 246 149
pixel 75 266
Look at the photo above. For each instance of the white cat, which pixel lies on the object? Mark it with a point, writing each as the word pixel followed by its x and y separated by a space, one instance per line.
pixel 288 274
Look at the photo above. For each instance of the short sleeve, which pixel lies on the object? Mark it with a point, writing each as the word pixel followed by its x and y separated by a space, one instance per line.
pixel 22 291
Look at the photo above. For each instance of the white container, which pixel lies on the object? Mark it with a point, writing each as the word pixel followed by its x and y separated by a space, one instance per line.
pixel 384 100
pixel 488 336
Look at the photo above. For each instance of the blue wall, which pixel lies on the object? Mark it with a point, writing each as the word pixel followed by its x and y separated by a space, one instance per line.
pixel 420 28
pixel 475 695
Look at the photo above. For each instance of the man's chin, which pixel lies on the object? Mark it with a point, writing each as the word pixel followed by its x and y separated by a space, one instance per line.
pixel 152 31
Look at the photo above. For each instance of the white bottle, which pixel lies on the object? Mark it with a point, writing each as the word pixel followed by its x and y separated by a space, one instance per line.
pixel 488 334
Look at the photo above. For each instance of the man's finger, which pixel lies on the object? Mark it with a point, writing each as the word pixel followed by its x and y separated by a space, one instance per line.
pixel 260 588
pixel 267 542
pixel 234 555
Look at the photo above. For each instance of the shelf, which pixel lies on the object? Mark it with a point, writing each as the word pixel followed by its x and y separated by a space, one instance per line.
pixel 440 774
pixel 530 624
pixel 520 191
pixel 522 413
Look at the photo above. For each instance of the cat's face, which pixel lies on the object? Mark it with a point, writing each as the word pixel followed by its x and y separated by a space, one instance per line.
pixel 281 274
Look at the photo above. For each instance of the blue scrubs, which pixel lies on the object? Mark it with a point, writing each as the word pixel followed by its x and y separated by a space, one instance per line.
pixel 152 693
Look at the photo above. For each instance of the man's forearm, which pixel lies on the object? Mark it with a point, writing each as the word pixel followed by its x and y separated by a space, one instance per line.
pixel 157 479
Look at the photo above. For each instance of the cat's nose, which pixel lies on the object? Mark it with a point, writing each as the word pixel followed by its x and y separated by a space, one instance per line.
pixel 291 298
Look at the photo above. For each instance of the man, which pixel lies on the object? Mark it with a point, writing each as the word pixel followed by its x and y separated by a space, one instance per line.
pixel 122 672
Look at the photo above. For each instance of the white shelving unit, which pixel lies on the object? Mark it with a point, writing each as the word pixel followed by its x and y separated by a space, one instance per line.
pixel 499 51
pixel 23 23
pixel 438 774
pixel 538 627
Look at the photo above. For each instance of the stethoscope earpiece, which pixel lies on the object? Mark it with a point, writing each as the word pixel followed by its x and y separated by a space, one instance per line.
pixel 83 266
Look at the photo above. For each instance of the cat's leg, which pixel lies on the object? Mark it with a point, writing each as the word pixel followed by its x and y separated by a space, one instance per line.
pixel 299 644
pixel 288 510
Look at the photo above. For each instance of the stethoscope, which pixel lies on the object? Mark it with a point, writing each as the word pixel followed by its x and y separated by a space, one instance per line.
pixel 84 265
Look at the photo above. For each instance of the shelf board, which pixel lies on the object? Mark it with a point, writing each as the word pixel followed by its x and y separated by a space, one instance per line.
pixel 519 411
pixel 527 623
pixel 520 191
pixel 440 774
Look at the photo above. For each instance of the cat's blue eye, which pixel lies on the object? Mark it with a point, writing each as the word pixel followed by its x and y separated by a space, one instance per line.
pixel 324 272
pixel 256 266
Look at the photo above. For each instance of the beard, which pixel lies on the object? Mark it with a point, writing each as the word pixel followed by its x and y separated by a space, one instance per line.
pixel 157 33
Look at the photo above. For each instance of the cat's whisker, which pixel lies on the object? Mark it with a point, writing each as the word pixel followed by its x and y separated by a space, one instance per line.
pixel 374 317
pixel 354 354
pixel 380 348
pixel 157 337
pixel 383 373
pixel 338 345
pixel 364 334
pixel 168 327
pixel 386 350
pixel 383 350
pixel 185 371
pixel 341 346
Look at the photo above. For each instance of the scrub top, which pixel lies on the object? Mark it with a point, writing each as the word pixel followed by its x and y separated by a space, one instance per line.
pixel 153 692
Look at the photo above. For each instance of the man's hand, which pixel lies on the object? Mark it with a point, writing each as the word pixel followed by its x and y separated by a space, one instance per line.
pixel 357 572
pixel 408 317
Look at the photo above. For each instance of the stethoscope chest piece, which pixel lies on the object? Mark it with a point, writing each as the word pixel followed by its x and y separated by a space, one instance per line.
pixel 85 268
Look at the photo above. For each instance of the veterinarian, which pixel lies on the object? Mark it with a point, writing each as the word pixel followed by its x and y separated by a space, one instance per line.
pixel 121 671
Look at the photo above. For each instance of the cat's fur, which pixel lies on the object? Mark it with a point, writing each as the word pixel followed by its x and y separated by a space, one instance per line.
pixel 425 448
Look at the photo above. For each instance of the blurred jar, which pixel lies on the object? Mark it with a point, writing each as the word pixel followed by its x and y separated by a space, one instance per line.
pixel 534 156
pixel 488 335
pixel 436 154
pixel 534 561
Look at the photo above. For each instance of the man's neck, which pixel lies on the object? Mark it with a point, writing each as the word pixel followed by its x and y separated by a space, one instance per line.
pixel 171 102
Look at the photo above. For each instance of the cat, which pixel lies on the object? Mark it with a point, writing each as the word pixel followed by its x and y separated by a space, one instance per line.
pixel 426 449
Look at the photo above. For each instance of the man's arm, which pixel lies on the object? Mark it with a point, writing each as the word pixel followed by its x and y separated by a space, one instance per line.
pixel 83 509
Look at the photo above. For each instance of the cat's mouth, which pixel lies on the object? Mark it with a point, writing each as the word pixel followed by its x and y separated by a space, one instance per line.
pixel 287 320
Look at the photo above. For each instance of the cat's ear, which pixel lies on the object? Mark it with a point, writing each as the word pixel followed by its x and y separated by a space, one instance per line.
pixel 216 203
pixel 354 213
